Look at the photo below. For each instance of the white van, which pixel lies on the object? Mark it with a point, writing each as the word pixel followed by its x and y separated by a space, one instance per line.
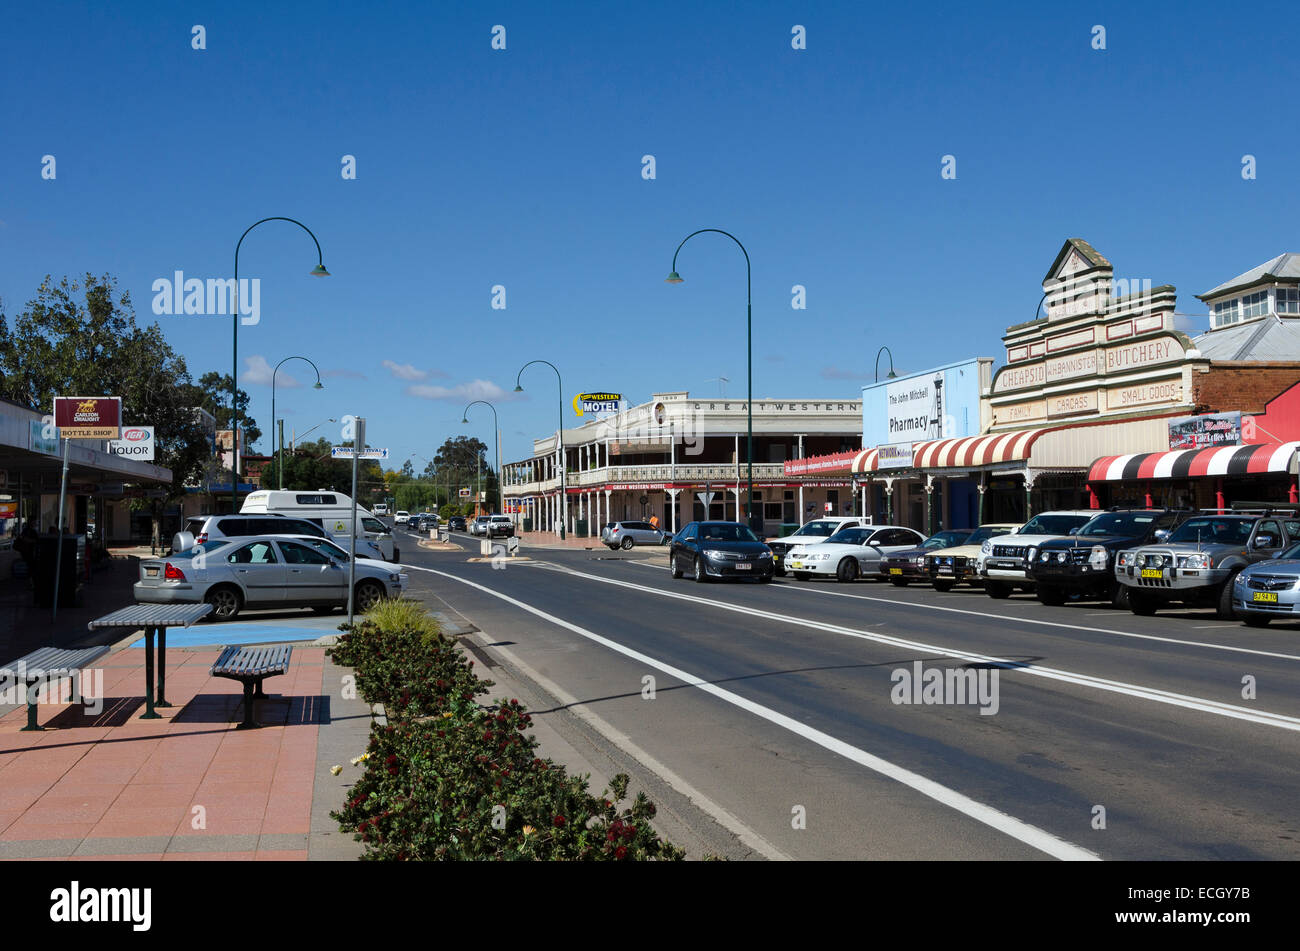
pixel 332 511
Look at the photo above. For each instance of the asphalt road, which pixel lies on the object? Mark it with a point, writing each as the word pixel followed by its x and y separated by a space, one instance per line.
pixel 773 713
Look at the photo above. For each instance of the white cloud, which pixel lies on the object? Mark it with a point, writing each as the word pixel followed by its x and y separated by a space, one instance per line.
pixel 405 371
pixel 475 390
pixel 258 371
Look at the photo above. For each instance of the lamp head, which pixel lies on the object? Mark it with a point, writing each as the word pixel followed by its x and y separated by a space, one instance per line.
pixel 518 388
pixel 892 375
pixel 673 278
pixel 318 386
pixel 319 271
pixel 465 420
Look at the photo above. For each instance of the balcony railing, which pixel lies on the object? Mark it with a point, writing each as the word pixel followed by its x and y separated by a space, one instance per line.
pixel 717 472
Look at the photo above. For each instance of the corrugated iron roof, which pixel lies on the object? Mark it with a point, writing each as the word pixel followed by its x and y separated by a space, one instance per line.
pixel 1284 267
pixel 1267 339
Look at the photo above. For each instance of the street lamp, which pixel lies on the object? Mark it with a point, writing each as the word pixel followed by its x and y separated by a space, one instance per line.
pixel 279 466
pixel 559 435
pixel 892 374
pixel 317 271
pixel 675 278
pixel 294 441
pixel 496 430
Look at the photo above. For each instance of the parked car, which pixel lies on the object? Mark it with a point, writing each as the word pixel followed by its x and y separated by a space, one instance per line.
pixel 499 526
pixel 267 572
pixel 850 552
pixel 1083 565
pixel 949 567
pixel 818 530
pixel 331 510
pixel 203 528
pixel 1200 560
pixel 479 526
pixel 1269 589
pixel 380 509
pixel 401 517
pixel 424 522
pixel 456 523
pixel 908 565
pixel 1003 561
pixel 627 535
pixel 719 550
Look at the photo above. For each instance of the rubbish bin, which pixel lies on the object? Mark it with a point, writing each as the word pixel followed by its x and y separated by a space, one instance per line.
pixel 47 552
pixel 528 524
pixel 580 528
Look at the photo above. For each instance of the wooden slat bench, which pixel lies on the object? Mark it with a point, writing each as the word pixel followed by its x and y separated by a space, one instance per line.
pixel 52 664
pixel 250 666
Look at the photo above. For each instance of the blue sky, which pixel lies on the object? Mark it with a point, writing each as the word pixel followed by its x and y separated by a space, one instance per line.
pixel 523 168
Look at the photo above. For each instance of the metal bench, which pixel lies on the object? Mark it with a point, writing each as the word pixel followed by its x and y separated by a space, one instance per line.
pixel 153 618
pixel 51 664
pixel 250 666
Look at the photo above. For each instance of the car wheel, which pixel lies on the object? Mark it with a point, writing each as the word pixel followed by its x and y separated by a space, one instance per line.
pixel 800 575
pixel 226 602
pixel 1051 595
pixel 998 589
pixel 945 585
pixel 1141 603
pixel 899 582
pixel 369 593
pixel 700 576
pixel 1226 610
pixel 628 543
pixel 674 568
pixel 847 570
pixel 1256 620
pixel 1119 596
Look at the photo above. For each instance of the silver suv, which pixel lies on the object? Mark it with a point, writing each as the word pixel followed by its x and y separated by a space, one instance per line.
pixel 1199 561
pixel 626 535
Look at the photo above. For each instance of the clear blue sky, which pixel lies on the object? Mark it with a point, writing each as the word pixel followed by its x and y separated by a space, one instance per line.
pixel 523 167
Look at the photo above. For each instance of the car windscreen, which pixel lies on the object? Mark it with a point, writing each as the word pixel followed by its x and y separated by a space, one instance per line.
pixel 822 529
pixel 1119 524
pixel 985 532
pixel 1214 531
pixel 946 540
pixel 1052 524
pixel 850 536
pixel 726 533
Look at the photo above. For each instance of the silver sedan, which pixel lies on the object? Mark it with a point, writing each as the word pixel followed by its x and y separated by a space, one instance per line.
pixel 266 572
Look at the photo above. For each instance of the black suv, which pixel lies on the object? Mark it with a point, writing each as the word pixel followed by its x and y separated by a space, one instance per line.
pixel 1083 565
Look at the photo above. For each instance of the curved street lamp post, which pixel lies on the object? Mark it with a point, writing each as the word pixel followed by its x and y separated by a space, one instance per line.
pixel 277 448
pixel 559 437
pixel 675 278
pixel 496 430
pixel 317 271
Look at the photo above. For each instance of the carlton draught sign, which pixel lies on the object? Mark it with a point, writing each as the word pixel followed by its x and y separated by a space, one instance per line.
pixel 88 417
pixel 136 442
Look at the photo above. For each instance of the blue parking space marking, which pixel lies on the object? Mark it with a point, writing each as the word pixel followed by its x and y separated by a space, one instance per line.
pixel 204 634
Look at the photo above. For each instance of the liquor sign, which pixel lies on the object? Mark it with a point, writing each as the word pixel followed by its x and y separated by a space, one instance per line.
pixel 585 403
pixel 1209 429
pixel 88 417
pixel 136 442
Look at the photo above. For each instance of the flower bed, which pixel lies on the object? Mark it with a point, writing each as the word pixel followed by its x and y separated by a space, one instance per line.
pixel 450 778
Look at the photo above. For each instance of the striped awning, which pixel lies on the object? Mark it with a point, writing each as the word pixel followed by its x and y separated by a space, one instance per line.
pixel 1195 463
pixel 968 451
pixel 865 461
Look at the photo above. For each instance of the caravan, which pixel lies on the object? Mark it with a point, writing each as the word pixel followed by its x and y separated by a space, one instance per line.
pixel 332 511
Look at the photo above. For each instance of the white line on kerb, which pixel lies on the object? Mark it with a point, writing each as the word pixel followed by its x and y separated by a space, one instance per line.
pixel 1024 620
pixel 1021 831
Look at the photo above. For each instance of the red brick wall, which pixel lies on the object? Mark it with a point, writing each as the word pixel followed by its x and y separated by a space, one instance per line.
pixel 1247 387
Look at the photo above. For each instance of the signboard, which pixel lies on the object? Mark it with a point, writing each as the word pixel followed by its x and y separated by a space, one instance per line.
pixel 912 405
pixel 38 442
pixel 1210 429
pixel 465 493
pixel 1072 404
pixel 585 403
pixel 706 499
pixel 345 452
pixel 88 417
pixel 835 462
pixel 136 442
pixel 1139 394
pixel 897 455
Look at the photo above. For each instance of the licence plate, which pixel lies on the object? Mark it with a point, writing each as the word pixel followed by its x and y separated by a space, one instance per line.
pixel 1269 597
pixel 1152 573
pixel 1005 564
pixel 743 566
pixel 796 564
pixel 151 572
pixel 945 571
pixel 895 571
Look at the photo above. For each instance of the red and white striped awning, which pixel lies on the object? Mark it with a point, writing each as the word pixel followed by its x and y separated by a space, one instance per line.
pixel 865 461
pixel 1195 463
pixel 964 452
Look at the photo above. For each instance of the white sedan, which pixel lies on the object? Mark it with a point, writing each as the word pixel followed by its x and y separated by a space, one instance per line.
pixel 850 552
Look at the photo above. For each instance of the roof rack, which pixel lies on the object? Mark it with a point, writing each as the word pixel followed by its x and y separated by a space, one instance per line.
pixel 1266 508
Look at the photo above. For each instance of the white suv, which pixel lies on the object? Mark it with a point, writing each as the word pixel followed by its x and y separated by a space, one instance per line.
pixel 401 517
pixel 1003 559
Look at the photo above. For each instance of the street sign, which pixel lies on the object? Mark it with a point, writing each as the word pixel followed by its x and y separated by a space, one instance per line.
pixel 136 442
pixel 345 452
pixel 706 499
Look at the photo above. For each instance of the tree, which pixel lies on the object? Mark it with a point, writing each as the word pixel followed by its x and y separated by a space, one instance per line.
pixel 310 466
pixel 81 339
pixel 212 393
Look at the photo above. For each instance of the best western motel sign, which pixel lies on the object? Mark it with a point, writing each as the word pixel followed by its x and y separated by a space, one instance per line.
pixel 88 417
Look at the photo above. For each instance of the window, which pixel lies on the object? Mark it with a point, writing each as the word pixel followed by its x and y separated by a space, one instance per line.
pixel 295 554
pixel 258 553
pixel 1288 300
pixel 315 500
pixel 1226 312
pixel 1255 305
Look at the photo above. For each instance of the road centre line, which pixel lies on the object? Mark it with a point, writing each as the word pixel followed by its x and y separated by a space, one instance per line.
pixel 1030 835
pixel 1022 620
pixel 1201 704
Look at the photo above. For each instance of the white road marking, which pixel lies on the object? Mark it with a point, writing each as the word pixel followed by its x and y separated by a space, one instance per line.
pixel 1017 829
pixel 1024 620
pixel 1201 704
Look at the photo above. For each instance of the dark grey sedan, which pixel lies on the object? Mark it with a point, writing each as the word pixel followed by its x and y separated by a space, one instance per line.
pixel 705 550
